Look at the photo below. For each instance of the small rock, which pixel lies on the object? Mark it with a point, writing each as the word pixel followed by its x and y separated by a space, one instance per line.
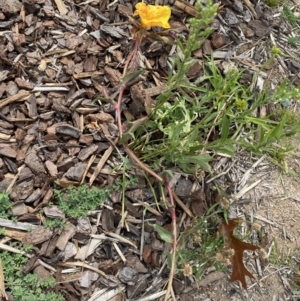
pixel 11 6
pixel 206 48
pixel 41 272
pixel 86 152
pixel 194 70
pixel 23 84
pixel 52 168
pixel 11 88
pixel 34 162
pixel 69 252
pixel 8 152
pixel 87 278
pixel 33 196
pixel 230 17
pixel 260 28
pixel 128 275
pixel 248 32
pixel 19 209
pixel 75 173
pixel 68 130
pixel 238 6
pixel 183 188
pixel 53 212
pixel 218 40
pixel 247 16
pixel 134 262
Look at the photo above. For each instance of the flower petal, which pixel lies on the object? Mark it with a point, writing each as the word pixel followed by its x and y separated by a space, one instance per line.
pixel 153 15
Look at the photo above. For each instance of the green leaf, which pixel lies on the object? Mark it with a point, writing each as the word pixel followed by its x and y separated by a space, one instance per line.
pixel 163 233
pixel 191 163
pixel 132 75
pixel 224 128
pixel 225 148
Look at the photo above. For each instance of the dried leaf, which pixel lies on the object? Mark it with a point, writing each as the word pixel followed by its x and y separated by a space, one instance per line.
pixel 239 271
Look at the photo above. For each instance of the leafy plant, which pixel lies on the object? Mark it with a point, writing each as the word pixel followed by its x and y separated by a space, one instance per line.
pixel 198 247
pixel 289 16
pixel 6 204
pixel 272 3
pixel 294 41
pixel 76 202
pixel 26 287
pixel 189 131
pixel 53 223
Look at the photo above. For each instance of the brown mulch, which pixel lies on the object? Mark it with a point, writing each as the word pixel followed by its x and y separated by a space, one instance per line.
pixel 58 61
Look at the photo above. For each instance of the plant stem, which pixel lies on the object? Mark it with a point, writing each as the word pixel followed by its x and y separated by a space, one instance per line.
pixel 174 234
pixel 131 62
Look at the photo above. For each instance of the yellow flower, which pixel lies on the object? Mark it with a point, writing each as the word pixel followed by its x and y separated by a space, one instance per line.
pixel 153 15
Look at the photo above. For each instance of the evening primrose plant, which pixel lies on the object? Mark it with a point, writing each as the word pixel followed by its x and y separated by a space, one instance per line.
pixel 195 120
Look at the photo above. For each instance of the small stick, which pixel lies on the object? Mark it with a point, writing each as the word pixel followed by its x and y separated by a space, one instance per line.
pixel 174 243
pixel 18 97
pixel 119 251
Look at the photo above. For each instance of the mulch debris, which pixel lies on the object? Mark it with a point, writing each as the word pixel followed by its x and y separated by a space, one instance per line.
pixel 58 58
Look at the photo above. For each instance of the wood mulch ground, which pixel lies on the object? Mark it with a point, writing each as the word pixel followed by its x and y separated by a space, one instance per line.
pixel 57 60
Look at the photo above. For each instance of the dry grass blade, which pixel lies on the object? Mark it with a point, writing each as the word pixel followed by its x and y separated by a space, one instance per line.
pixel 104 294
pixel 16 225
pixel 101 163
pixel 121 239
pixel 13 250
pixel 3 295
pixel 84 265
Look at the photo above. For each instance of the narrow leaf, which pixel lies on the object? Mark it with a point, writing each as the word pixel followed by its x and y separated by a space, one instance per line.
pixel 163 233
pixel 225 128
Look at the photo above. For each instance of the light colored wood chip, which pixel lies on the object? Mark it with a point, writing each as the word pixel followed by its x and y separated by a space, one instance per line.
pixel 14 98
pixel 3 295
pixel 101 163
pixel 61 7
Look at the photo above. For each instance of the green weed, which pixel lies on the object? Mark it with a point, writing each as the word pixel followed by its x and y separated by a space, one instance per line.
pixel 193 121
pixel 294 41
pixel 6 204
pixel 55 223
pixel 26 287
pixel 189 131
pixel 199 247
pixel 76 202
pixel 288 15
pixel 278 256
